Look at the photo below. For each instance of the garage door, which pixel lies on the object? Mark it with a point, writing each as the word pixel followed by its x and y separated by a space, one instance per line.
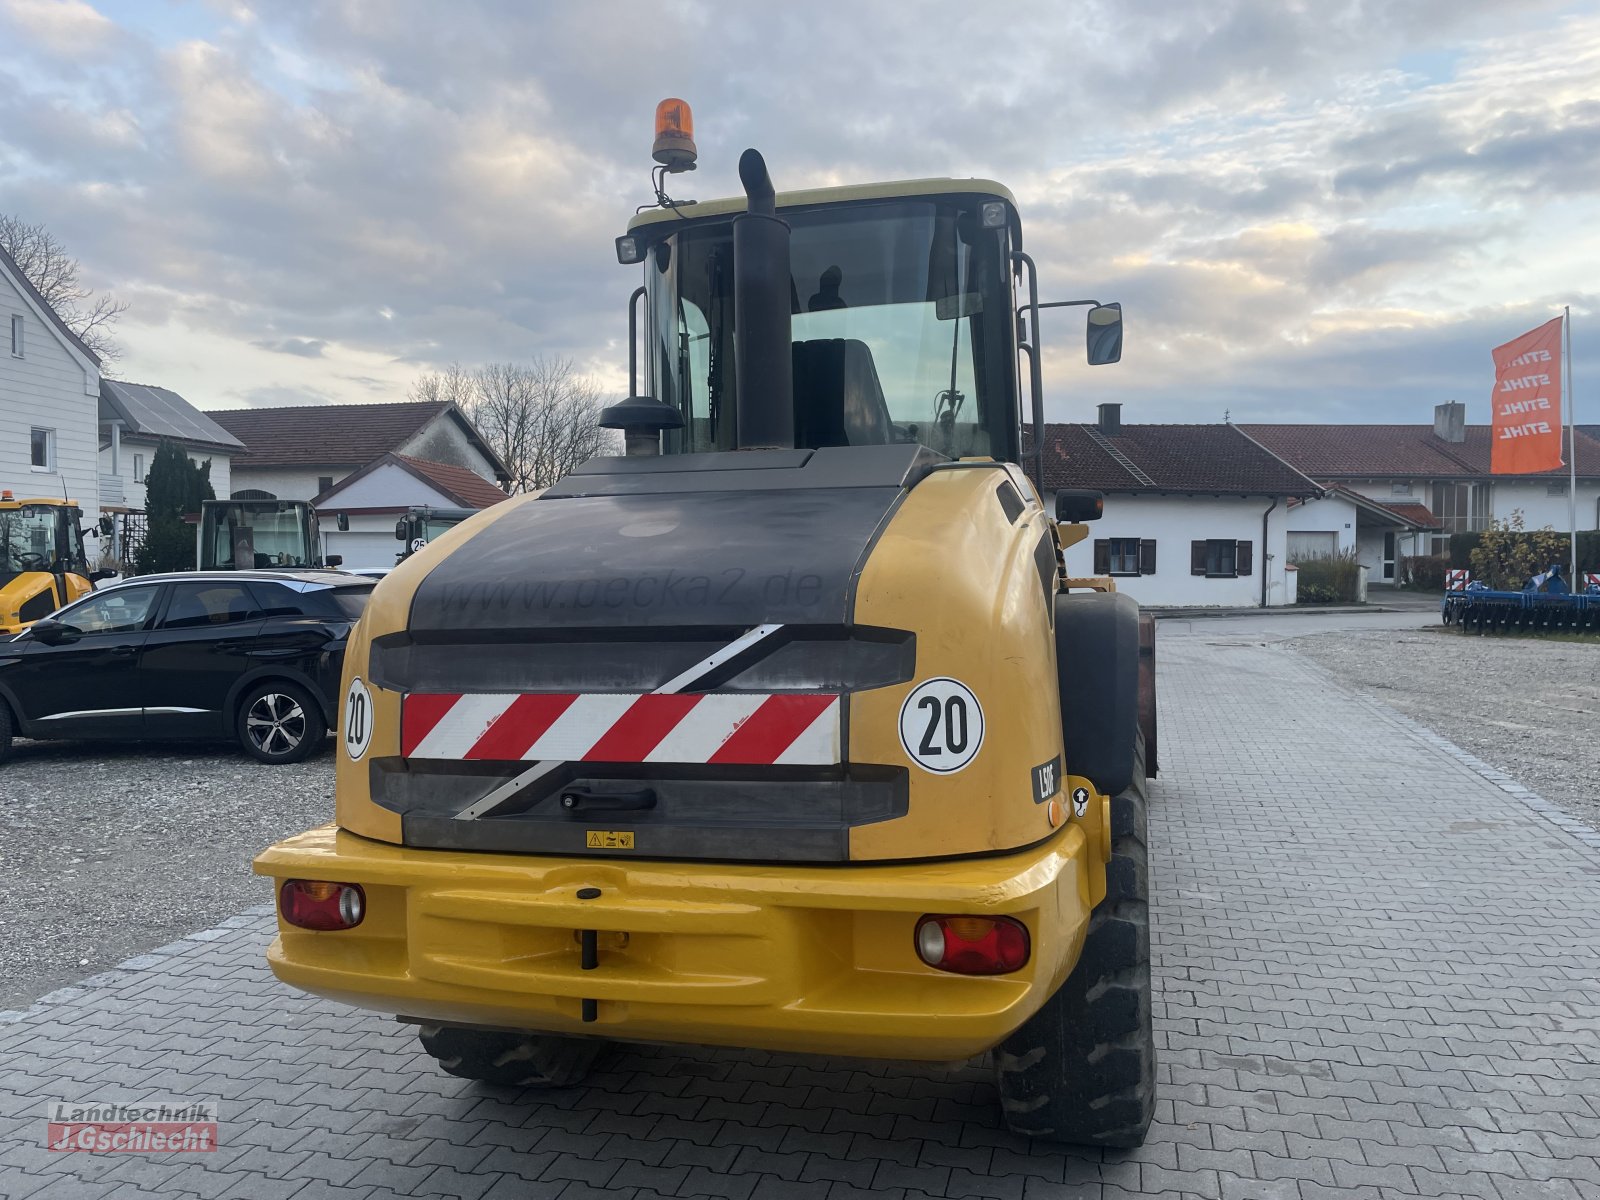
pixel 1312 545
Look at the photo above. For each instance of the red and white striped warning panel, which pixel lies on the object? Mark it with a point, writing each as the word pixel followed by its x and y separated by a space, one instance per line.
pixel 800 729
pixel 1591 579
pixel 1456 579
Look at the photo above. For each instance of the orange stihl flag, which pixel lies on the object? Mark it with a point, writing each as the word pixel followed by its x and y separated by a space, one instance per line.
pixel 1527 403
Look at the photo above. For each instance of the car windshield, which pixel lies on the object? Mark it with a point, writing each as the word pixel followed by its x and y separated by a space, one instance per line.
pixel 902 329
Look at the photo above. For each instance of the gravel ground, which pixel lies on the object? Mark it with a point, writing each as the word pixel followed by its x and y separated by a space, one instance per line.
pixel 1527 706
pixel 110 850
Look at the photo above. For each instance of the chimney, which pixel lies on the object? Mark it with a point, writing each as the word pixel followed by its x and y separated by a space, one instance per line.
pixel 1450 421
pixel 1111 419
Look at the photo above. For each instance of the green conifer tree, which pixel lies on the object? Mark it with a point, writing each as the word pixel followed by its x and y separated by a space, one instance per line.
pixel 174 487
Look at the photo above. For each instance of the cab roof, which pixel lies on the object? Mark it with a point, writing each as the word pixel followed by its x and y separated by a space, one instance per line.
pixel 807 197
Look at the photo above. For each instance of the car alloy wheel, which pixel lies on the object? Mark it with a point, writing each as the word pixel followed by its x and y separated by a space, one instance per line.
pixel 276 723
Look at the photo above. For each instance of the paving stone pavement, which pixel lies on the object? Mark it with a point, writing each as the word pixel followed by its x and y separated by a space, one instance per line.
pixel 1376 974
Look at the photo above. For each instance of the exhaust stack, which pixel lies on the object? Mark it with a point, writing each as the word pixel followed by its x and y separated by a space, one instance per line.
pixel 762 334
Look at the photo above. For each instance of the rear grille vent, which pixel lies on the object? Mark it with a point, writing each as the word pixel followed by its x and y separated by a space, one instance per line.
pixel 806 658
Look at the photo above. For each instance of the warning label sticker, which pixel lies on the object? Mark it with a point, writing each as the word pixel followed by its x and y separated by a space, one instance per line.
pixel 609 839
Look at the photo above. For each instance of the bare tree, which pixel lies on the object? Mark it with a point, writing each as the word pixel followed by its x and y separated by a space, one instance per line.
pixel 539 417
pixel 54 272
pixel 453 385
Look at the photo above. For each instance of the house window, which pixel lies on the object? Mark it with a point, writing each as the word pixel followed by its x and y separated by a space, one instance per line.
pixel 324 483
pixel 1558 488
pixel 42 449
pixel 1124 556
pixel 16 335
pixel 1220 558
pixel 1461 507
pixel 138 467
pixel 1400 489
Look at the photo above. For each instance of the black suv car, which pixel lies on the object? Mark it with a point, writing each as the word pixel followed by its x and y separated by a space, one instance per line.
pixel 253 655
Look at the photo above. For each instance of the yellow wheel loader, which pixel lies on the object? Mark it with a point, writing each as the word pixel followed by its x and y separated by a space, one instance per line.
pixel 42 563
pixel 781 729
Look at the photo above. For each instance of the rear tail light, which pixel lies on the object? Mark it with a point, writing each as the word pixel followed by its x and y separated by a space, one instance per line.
pixel 973 945
pixel 314 904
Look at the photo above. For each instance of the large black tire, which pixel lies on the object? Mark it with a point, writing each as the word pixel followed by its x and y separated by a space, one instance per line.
pixel 1097 672
pixel 279 723
pixel 1083 1069
pixel 511 1059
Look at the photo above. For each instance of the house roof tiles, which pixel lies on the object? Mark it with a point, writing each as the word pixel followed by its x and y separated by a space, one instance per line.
pixel 328 434
pixel 459 485
pixel 1379 451
pixel 1195 459
pixel 468 489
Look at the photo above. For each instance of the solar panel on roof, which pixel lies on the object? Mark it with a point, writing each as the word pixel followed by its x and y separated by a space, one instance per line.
pixel 160 412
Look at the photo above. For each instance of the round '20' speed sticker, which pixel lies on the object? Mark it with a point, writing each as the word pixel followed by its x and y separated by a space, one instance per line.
pixel 941 725
pixel 356 719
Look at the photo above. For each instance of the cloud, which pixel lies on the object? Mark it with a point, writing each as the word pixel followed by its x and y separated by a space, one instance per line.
pixel 281 397
pixel 304 347
pixel 335 197
pixel 66 27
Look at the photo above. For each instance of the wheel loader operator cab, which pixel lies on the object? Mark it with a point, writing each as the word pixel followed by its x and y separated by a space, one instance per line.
pixel 902 323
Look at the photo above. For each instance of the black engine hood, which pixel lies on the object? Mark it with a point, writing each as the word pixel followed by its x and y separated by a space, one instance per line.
pixel 709 540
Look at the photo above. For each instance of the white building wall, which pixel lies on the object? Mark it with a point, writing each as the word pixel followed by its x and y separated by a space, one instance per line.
pixel 442 440
pixel 135 463
pixel 285 483
pixel 1173 522
pixel 1539 507
pixel 49 387
pixel 389 486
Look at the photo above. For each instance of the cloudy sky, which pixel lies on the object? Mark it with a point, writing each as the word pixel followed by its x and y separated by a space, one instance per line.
pixel 1311 209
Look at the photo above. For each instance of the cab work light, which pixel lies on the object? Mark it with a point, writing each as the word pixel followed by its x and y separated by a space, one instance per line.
pixel 314 904
pixel 973 945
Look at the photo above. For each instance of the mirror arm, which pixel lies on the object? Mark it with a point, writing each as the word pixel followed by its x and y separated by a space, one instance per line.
pixel 1035 370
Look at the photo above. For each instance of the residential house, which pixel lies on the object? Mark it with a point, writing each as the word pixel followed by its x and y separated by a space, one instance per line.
pixel 134 419
pixel 49 400
pixel 301 452
pixel 1195 515
pixel 1398 489
pixel 373 499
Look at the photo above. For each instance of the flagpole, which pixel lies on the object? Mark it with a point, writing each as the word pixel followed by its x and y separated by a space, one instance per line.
pixel 1572 451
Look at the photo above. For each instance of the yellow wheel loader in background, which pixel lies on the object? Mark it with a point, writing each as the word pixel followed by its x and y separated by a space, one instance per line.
pixel 780 730
pixel 42 562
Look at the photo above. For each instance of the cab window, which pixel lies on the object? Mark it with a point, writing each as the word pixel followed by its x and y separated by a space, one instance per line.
pixel 124 610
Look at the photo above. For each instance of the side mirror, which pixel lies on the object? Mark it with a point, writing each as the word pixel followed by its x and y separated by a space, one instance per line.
pixel 342 520
pixel 1105 334
pixel 102 573
pixel 402 530
pixel 335 560
pixel 107 526
pixel 1079 504
pixel 54 633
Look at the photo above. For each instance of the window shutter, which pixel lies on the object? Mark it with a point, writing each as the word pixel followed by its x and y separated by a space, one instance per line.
pixel 1241 558
pixel 1147 556
pixel 1102 556
pixel 1197 558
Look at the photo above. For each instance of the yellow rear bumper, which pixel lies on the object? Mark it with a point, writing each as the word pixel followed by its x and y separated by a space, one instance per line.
pixel 812 959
